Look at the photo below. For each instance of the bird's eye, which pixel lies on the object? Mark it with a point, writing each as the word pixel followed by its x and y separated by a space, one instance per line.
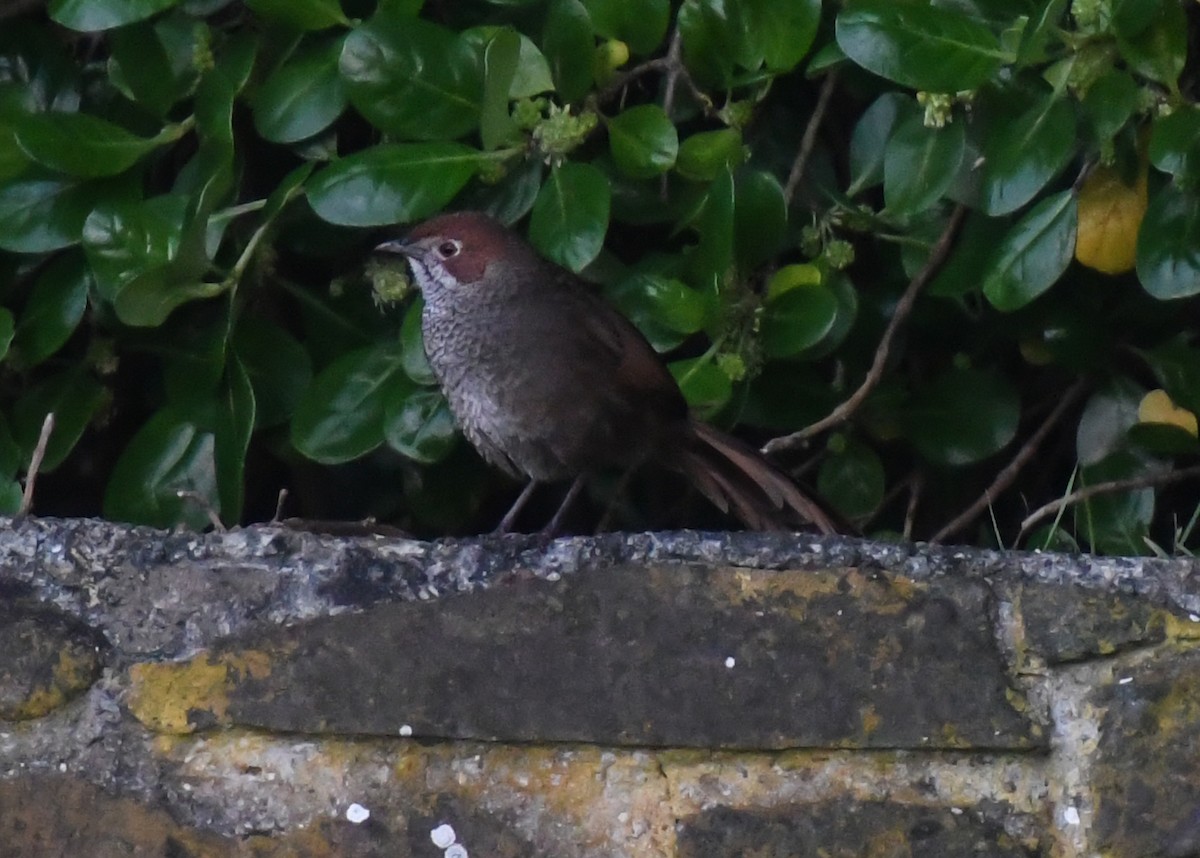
pixel 448 248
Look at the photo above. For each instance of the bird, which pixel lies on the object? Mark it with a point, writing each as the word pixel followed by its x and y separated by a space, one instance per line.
pixel 551 383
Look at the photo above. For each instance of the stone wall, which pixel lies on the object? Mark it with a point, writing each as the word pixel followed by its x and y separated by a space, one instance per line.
pixel 267 692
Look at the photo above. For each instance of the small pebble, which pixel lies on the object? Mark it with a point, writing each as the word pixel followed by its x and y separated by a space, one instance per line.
pixel 443 836
pixel 356 813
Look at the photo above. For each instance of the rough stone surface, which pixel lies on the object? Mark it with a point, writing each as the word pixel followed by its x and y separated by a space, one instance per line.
pixel 849 829
pixel 268 692
pixel 682 656
pixel 1147 792
pixel 46 659
pixel 1064 624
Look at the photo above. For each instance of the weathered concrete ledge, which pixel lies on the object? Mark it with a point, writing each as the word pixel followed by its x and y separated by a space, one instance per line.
pixel 274 692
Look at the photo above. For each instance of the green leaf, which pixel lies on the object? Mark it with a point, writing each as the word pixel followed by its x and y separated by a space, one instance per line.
pixel 11 495
pixel 277 366
pixel 1110 102
pixel 1175 144
pixel 963 417
pixel 852 479
pixel 705 387
pixel 341 416
pixel 412 78
pixel 124 240
pixel 640 23
pixel 220 86
pixel 711 262
pixel 392 183
pixel 760 218
pixel 665 309
pixel 73 397
pixel 567 42
pixel 1176 366
pixel 920 163
pixel 972 253
pixel 82 145
pixel 798 319
pixel 570 216
pixel 1168 247
pixel 643 141
pixel 1117 523
pixel 532 73
pixel 868 143
pixel 1105 419
pixel 170 454
pixel 141 64
pixel 412 341
pixel 1033 254
pixel 93 15
pixel 1159 51
pixel 303 96
pixel 923 47
pixel 233 421
pixel 716 39
pixel 1022 155
pixel 149 298
pixel 54 309
pixel 500 63
pixel 40 215
pixel 703 156
pixel 301 14
pixel 784 31
pixel 420 426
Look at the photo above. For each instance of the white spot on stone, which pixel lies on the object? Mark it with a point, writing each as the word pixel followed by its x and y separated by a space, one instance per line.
pixel 356 813
pixel 623 817
pixel 553 576
pixel 1071 816
pixel 730 661
pixel 443 836
pixel 957 811
pixel 62 767
pixel 405 729
pixel 1195 618
pixel 457 850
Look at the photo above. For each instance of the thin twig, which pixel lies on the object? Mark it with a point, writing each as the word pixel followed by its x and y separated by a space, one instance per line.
pixel 202 502
pixel 279 502
pixel 1008 474
pixel 673 68
pixel 35 465
pixel 914 499
pixel 903 307
pixel 1148 481
pixel 810 137
pixel 676 72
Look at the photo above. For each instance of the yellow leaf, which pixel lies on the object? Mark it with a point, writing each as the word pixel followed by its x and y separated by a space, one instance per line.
pixel 1110 213
pixel 1157 407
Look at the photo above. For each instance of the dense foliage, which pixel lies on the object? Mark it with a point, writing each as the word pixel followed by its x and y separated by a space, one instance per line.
pixel 941 258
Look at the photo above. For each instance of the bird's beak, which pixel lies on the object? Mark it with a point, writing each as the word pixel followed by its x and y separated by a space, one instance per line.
pixel 398 246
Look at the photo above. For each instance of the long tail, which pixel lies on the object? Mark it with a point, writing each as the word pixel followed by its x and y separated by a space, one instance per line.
pixel 737 479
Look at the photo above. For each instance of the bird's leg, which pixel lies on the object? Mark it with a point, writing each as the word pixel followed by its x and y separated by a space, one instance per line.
pixel 614 498
pixel 510 517
pixel 552 528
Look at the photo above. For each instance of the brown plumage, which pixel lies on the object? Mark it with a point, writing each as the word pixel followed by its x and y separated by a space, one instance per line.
pixel 549 382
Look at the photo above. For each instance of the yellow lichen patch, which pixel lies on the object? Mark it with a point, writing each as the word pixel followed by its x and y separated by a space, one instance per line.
pixel 870 720
pixel 1158 407
pixel 166 697
pixel 1179 628
pixel 1110 214
pixel 71 674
